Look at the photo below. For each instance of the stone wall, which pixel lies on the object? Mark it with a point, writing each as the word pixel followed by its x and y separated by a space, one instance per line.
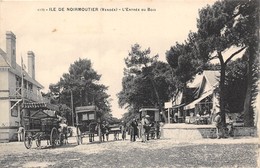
pixel 199 133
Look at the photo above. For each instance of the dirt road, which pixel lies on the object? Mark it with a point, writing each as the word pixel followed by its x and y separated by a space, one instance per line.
pixel 242 152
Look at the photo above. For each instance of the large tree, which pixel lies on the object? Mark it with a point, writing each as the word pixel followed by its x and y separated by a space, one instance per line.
pixel 223 26
pixel 146 80
pixel 184 63
pixel 79 87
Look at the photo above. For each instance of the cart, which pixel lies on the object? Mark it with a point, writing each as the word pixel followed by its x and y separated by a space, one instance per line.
pixel 87 123
pixel 154 120
pixel 41 123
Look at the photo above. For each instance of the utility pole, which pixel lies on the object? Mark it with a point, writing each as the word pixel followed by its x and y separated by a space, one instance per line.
pixel 72 108
pixel 22 93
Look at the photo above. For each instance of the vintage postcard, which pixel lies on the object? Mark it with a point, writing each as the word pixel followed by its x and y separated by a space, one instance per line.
pixel 127 83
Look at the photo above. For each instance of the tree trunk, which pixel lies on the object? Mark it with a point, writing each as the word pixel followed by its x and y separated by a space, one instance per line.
pixel 158 99
pixel 248 117
pixel 222 88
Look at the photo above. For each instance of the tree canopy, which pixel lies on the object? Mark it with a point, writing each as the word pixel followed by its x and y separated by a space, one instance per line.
pixel 146 80
pixel 81 84
pixel 224 25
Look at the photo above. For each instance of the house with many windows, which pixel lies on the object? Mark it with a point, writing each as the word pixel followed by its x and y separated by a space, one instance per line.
pixel 16 87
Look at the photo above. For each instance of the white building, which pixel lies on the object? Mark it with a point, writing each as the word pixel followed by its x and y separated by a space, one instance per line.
pixel 15 88
pixel 205 96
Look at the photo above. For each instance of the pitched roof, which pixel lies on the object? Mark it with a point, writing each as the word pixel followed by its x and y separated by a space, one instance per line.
pixel 196 81
pixel 3 62
pixel 212 77
pixel 17 70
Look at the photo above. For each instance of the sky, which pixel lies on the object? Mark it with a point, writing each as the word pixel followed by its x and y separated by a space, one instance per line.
pixel 59 38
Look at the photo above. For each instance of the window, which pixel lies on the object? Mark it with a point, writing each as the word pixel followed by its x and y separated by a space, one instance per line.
pixel 88 116
pixel 30 86
pixel 18 81
pixel 91 116
pixel 25 84
pixel 14 110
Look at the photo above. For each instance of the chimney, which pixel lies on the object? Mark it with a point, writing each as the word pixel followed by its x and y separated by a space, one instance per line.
pixel 31 64
pixel 11 48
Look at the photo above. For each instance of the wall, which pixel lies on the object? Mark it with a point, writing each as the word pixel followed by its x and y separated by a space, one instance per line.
pixel 12 84
pixel 3 81
pixel 4 113
pixel 193 132
pixel 11 80
pixel 4 102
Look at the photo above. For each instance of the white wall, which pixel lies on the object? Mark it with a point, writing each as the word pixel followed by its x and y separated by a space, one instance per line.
pixel 12 119
pixel 4 103
pixel 3 81
pixel 4 113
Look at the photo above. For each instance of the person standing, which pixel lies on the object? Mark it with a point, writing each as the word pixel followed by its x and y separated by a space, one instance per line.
pixel 134 131
pixel 123 130
pixel 157 129
pixel 145 128
pixel 219 127
pixel 20 133
pixel 92 128
pixel 103 130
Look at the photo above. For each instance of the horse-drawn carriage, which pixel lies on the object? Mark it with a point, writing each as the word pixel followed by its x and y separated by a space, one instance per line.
pixel 154 119
pixel 41 122
pixel 87 123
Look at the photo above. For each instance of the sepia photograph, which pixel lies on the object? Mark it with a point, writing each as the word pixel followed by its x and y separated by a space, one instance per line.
pixel 129 83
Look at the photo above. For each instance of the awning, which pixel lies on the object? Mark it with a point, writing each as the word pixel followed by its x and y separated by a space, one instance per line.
pixel 177 106
pixel 44 106
pixel 83 109
pixel 192 104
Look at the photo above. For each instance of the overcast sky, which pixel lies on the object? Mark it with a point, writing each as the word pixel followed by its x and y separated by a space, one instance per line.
pixel 58 38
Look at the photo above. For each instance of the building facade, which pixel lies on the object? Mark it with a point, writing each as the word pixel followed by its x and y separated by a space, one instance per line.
pixel 200 99
pixel 16 87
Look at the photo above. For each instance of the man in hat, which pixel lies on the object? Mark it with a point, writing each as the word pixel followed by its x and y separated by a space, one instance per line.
pixel 145 128
pixel 123 130
pixel 219 128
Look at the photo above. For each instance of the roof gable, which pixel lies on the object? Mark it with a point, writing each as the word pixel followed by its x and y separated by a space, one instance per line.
pixel 208 82
pixel 212 77
pixel 18 71
pixel 3 62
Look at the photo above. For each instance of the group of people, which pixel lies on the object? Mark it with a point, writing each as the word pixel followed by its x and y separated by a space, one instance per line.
pixel 131 129
pixel 149 128
pixel 223 131
pixel 144 129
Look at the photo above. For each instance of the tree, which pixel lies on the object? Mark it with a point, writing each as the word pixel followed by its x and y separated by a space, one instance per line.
pixel 235 84
pixel 249 29
pixel 184 63
pixel 145 80
pixel 222 26
pixel 80 85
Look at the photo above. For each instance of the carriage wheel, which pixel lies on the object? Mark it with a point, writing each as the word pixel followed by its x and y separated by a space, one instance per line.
pixel 54 137
pixel 27 140
pixel 79 137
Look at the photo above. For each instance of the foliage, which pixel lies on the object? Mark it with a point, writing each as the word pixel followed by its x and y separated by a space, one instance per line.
pixel 236 85
pixel 146 81
pixel 184 63
pixel 224 25
pixel 80 83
